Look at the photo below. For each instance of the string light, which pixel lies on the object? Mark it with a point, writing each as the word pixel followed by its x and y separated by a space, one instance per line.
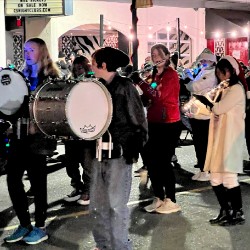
pixel 233 33
pixel 217 34
pixel 172 24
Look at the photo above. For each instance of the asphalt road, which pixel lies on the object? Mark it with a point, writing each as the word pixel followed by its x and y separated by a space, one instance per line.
pixel 69 226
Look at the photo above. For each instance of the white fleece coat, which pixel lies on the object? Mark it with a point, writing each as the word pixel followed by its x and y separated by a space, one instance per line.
pixel 227 132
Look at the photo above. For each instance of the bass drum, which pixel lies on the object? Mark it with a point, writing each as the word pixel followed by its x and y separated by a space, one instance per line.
pixel 79 109
pixel 13 89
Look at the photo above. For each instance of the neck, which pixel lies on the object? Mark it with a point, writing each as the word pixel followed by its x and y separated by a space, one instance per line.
pixel 160 70
pixel 34 72
pixel 109 76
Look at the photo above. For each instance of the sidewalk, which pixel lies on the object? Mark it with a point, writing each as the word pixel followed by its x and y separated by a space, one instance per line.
pixel 69 227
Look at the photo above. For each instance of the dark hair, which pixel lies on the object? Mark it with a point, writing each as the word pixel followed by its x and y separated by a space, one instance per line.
pixel 224 65
pixel 84 61
pixel 174 59
pixel 114 58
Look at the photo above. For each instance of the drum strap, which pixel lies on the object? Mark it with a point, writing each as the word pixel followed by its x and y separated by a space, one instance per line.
pixel 33 83
pixel 100 146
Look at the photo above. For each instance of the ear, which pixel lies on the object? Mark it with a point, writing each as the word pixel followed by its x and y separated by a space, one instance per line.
pixel 104 65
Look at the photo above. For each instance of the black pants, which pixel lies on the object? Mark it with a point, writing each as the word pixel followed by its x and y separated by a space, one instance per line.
pixel 200 130
pixel 163 138
pixel 22 159
pixel 78 151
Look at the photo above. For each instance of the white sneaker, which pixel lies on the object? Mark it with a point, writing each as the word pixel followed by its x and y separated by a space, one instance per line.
pixel 154 205
pixel 196 176
pixel 84 200
pixel 204 176
pixel 168 207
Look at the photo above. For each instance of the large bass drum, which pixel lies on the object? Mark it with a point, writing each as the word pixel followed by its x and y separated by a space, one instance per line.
pixel 13 89
pixel 79 109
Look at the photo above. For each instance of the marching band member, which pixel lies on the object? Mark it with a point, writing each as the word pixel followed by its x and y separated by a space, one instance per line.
pixel 79 151
pixel 163 115
pixel 112 177
pixel 203 82
pixel 224 157
pixel 29 153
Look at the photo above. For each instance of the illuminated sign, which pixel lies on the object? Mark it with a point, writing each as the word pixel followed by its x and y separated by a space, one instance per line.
pixel 36 7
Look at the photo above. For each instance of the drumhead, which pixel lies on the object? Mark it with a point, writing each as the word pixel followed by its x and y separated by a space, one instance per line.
pixel 13 88
pixel 89 109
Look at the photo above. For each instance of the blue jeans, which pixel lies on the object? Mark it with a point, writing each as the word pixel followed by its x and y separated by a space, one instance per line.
pixel 109 195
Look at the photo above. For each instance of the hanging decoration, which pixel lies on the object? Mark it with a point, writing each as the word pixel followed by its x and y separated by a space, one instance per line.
pixel 143 3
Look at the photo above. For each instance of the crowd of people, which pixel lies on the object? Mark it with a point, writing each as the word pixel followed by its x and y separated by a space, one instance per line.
pixel 146 121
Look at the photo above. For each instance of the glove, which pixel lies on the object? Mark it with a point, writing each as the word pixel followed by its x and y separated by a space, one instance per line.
pixel 204 100
pixel 135 77
pixel 188 74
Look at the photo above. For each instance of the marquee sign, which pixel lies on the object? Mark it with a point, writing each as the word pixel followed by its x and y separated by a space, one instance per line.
pixel 37 7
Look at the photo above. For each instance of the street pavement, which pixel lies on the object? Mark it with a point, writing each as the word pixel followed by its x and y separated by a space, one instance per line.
pixel 69 226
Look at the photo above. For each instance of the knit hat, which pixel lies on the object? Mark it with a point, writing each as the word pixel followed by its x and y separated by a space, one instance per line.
pixel 208 55
pixel 72 54
pixel 233 62
pixel 238 69
pixel 61 54
pixel 114 57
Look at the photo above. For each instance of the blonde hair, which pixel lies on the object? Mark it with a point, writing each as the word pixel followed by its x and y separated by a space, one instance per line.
pixel 46 66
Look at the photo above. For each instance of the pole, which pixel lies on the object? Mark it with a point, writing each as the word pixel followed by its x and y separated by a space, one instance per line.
pixel 248 39
pixel 178 38
pixel 135 42
pixel 101 30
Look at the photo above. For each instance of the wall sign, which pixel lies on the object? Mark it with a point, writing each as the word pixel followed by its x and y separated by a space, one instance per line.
pixel 38 7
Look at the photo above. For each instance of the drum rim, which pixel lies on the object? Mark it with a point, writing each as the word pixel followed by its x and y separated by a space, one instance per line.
pixel 25 80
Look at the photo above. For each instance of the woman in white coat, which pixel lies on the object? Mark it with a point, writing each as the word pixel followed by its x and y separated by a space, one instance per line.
pixel 224 157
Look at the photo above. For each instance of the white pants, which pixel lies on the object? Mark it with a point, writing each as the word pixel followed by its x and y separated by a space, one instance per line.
pixel 229 180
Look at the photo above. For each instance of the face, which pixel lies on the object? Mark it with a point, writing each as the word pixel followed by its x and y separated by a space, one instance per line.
pixel 31 53
pixel 223 76
pixel 78 69
pixel 157 57
pixel 80 52
pixel 204 62
pixel 72 57
pixel 98 71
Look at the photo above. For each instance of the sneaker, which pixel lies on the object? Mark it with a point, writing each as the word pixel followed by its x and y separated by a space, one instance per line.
pixel 196 176
pixel 74 196
pixel 36 236
pixel 141 170
pixel 30 193
pixel 84 200
pixel 19 234
pixel 154 205
pixel 168 207
pixel 204 176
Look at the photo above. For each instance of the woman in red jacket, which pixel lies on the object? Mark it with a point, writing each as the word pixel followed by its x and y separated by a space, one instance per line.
pixel 162 94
